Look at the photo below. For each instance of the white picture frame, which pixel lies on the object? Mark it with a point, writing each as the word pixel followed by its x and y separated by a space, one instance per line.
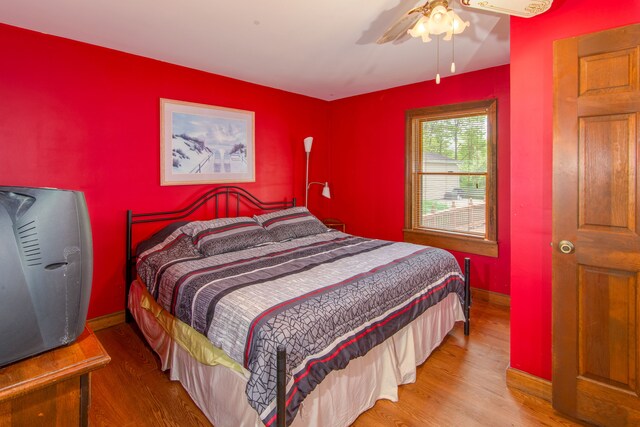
pixel 205 144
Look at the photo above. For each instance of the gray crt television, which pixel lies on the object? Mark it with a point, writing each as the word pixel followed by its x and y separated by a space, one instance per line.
pixel 46 269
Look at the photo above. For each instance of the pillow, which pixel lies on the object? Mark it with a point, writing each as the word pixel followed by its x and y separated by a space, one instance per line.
pixel 291 223
pixel 151 261
pixel 158 237
pixel 222 235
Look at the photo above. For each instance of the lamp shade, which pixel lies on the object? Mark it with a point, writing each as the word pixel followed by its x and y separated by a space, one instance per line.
pixel 325 191
pixel 308 141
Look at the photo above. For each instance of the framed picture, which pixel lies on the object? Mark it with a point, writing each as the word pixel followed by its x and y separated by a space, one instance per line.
pixel 205 144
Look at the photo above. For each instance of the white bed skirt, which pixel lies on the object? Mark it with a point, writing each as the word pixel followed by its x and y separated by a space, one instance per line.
pixel 343 395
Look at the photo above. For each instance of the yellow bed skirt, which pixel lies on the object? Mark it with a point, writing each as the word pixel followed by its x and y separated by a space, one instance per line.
pixel 196 344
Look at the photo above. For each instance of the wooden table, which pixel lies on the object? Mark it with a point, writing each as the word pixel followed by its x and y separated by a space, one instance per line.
pixel 334 223
pixel 53 388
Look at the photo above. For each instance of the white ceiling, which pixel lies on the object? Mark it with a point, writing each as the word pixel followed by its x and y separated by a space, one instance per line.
pixel 324 49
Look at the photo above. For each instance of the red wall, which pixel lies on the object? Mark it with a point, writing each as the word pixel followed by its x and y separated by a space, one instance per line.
pixel 367 135
pixel 531 165
pixel 82 117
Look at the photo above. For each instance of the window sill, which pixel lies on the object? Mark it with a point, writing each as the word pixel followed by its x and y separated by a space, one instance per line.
pixel 452 242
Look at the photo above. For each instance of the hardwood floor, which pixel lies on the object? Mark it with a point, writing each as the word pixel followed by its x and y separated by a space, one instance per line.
pixel 461 384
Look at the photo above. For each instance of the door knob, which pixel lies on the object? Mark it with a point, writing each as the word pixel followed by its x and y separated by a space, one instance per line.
pixel 566 247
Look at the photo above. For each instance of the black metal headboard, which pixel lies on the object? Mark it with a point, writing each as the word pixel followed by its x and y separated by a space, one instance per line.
pixel 226 199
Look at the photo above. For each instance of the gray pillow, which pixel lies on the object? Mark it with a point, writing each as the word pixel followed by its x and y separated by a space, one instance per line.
pixel 222 235
pixel 158 237
pixel 291 223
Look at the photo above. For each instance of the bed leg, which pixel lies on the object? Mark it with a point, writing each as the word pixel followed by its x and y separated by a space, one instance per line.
pixel 467 295
pixel 281 386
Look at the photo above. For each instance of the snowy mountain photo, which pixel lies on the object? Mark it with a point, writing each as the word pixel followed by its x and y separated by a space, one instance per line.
pixel 207 144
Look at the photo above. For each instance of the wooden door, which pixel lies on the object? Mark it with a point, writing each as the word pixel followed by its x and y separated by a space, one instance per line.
pixel 596 207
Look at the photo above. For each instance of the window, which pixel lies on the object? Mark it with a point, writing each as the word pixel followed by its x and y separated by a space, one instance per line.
pixel 451 177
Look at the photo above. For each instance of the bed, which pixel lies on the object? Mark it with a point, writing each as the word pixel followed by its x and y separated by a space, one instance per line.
pixel 273 319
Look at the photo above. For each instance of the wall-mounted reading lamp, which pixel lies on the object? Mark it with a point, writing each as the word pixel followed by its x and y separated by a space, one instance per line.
pixel 308 142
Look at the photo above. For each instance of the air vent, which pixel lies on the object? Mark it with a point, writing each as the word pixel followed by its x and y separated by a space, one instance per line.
pixel 28 237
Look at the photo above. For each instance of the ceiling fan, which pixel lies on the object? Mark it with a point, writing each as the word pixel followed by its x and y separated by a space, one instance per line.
pixel 435 17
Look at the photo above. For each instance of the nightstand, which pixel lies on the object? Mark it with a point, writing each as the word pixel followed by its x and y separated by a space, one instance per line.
pixel 336 224
pixel 52 388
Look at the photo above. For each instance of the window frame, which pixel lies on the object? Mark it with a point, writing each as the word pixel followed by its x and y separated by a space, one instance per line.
pixel 487 245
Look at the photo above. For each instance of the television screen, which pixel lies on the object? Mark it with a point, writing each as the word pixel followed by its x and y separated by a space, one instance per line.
pixel 46 268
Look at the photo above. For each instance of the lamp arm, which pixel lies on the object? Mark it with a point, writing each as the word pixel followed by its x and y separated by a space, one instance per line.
pixel 325 191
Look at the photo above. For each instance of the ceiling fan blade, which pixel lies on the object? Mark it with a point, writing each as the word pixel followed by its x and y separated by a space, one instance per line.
pixel 521 8
pixel 401 26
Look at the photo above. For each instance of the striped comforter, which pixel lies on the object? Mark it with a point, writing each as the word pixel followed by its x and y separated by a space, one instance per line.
pixel 327 298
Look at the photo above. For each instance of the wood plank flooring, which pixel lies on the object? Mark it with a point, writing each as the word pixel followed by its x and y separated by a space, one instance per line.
pixel 461 384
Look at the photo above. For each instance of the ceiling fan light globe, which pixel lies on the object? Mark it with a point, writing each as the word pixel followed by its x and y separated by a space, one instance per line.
pixel 438 13
pixel 457 23
pixel 462 26
pixel 418 29
pixel 439 22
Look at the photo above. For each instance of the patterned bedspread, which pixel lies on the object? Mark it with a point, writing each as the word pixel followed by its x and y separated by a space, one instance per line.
pixel 326 298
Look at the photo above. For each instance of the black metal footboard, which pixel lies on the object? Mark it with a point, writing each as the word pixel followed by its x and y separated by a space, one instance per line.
pixel 467 295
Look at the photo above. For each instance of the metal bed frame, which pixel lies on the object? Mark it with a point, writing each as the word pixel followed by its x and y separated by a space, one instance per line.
pixel 232 198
